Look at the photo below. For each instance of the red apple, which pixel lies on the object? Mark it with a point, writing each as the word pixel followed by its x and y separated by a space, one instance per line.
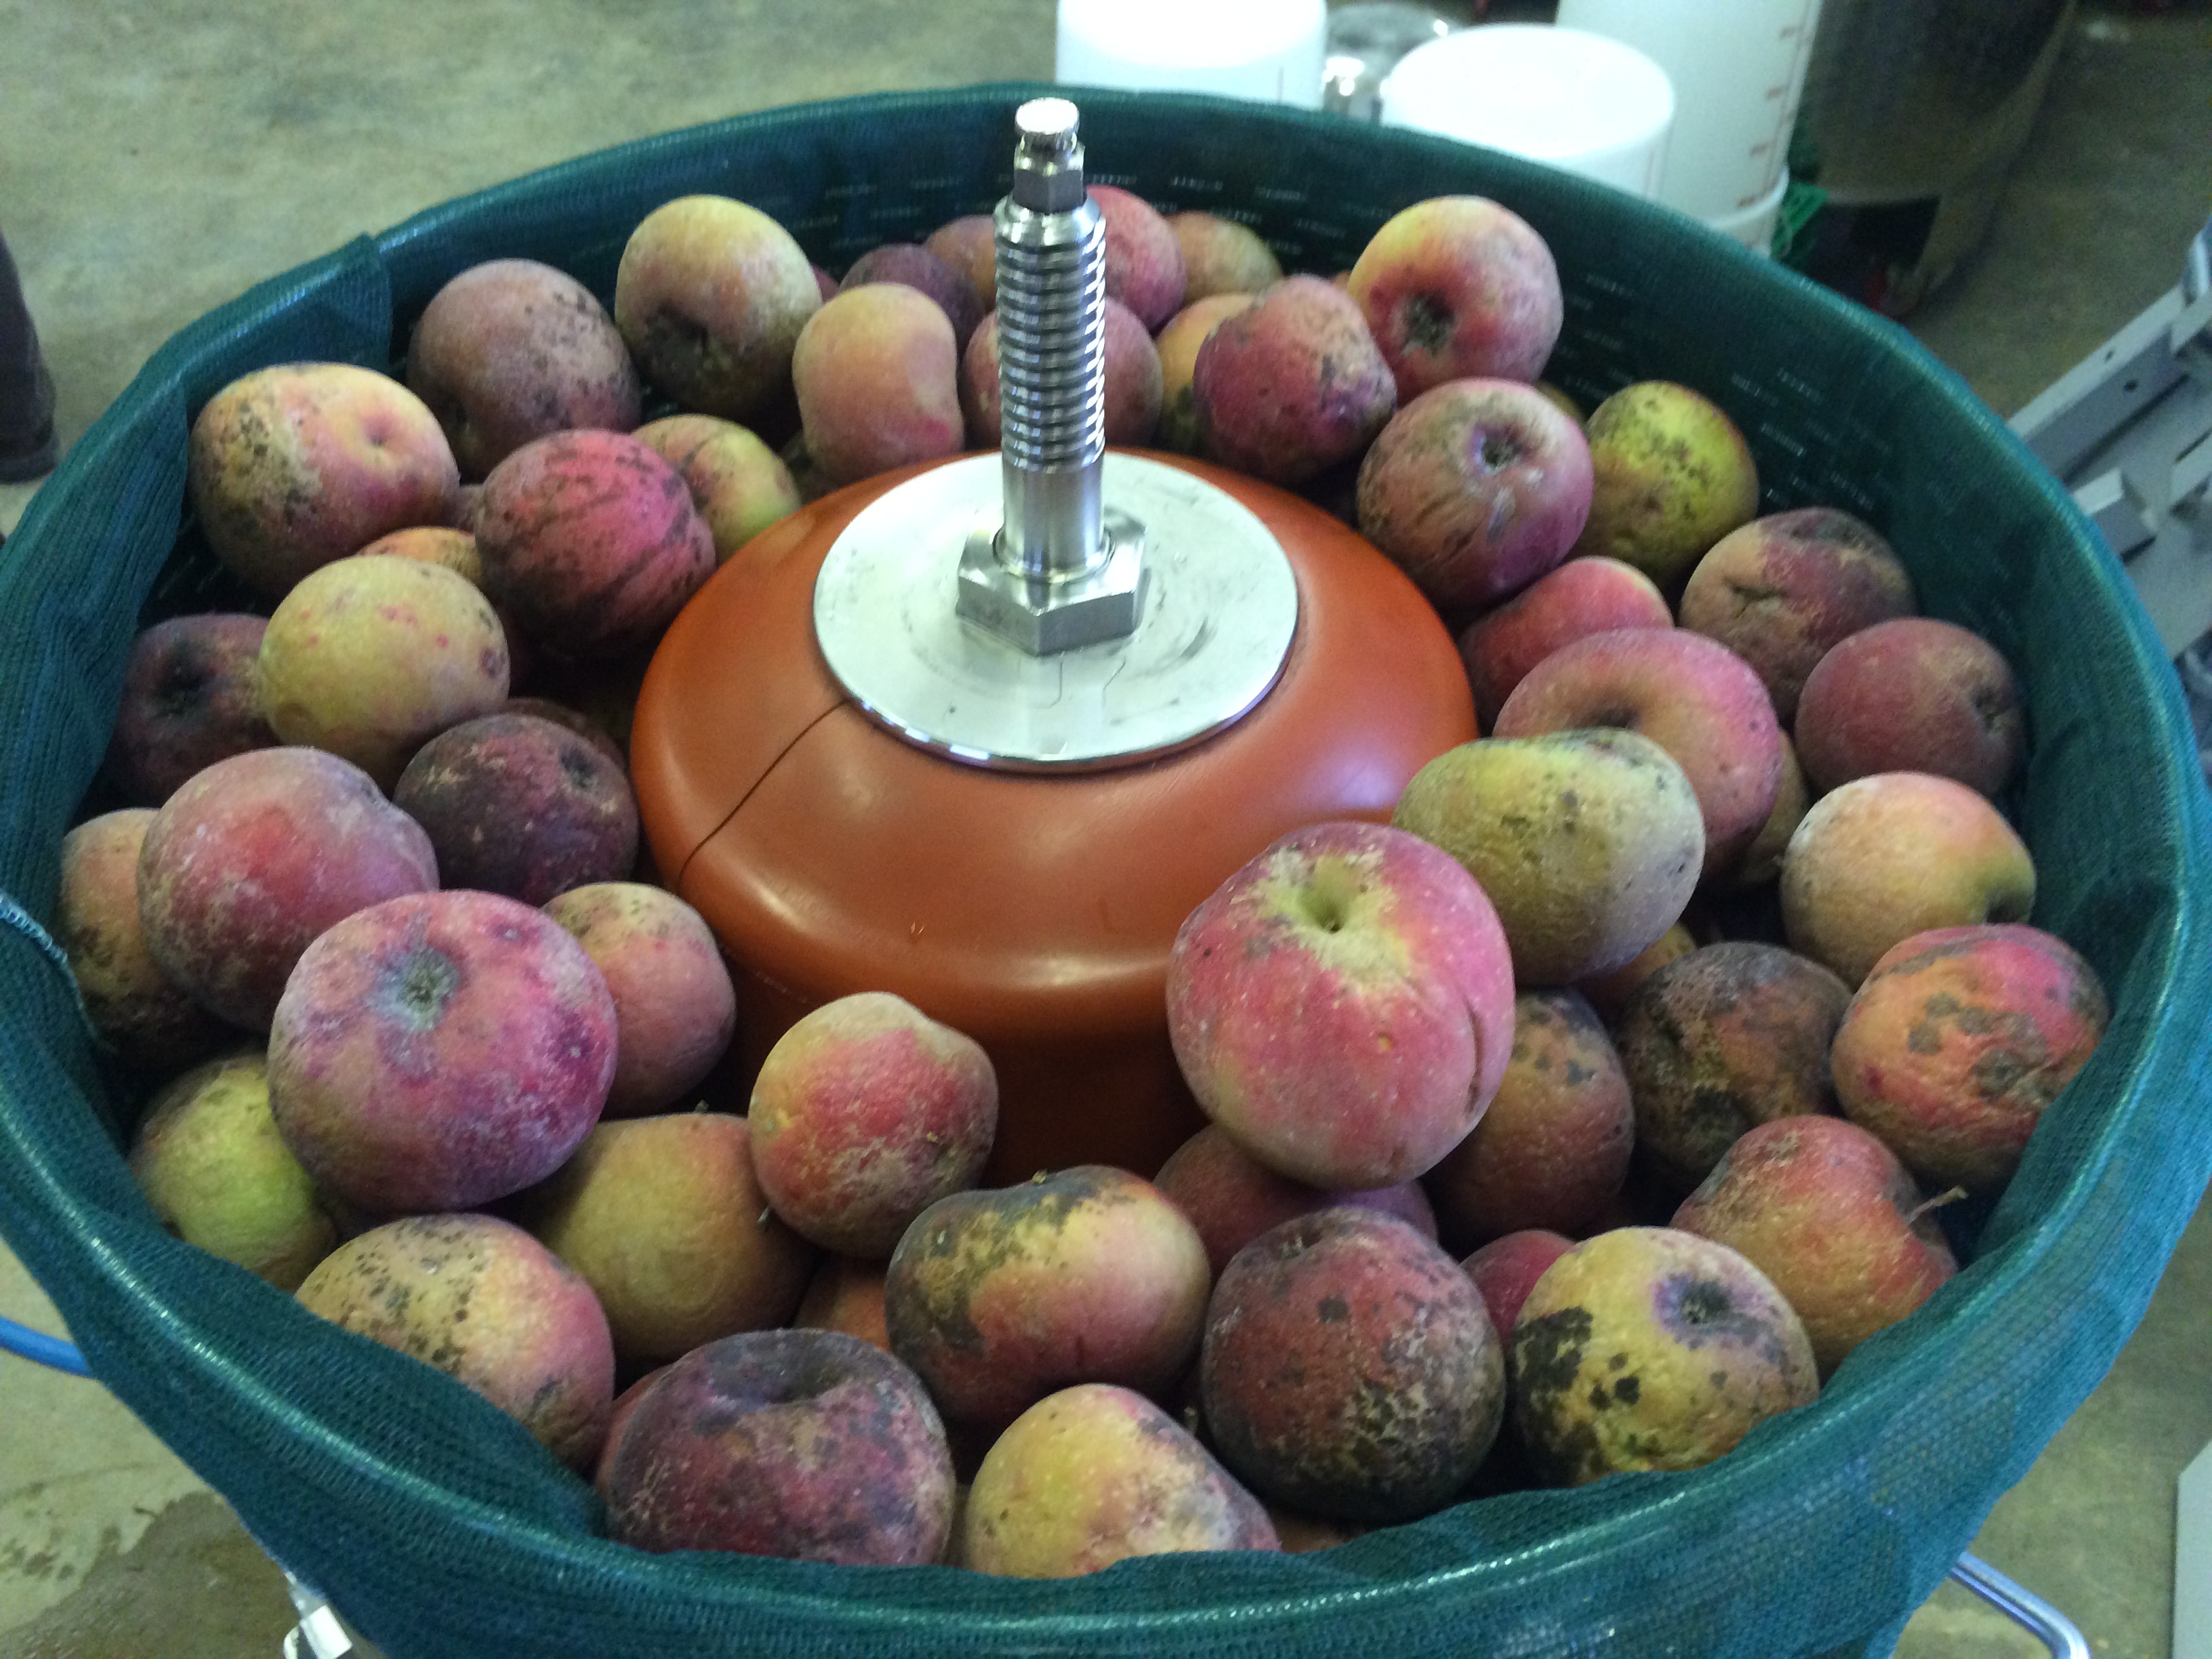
pixel 1474 489
pixel 1342 1005
pixel 1458 286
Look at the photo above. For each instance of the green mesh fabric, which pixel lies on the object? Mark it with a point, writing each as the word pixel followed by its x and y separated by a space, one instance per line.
pixel 442 1529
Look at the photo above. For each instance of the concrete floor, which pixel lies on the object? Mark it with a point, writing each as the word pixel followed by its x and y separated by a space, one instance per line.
pixel 162 154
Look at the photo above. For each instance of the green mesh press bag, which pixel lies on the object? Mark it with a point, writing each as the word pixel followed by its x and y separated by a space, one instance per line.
pixel 444 1532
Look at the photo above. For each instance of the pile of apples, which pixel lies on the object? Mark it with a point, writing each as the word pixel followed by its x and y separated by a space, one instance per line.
pixel 1711 955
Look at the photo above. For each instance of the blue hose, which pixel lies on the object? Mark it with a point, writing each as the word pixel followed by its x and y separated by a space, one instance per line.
pixel 28 1344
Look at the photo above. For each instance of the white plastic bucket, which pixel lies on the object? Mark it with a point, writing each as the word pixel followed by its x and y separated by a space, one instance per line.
pixel 1754 226
pixel 1270 50
pixel 1738 68
pixel 1578 101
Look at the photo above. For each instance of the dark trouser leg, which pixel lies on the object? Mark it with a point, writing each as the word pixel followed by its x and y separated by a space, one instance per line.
pixel 26 392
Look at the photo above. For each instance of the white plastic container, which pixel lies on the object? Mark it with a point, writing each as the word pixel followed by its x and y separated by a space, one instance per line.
pixel 1738 68
pixel 1270 50
pixel 1582 102
pixel 1754 226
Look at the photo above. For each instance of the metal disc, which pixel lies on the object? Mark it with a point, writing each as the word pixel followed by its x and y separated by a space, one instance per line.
pixel 1219 609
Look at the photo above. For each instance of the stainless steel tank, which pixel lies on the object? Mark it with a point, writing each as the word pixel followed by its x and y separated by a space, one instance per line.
pixel 1913 113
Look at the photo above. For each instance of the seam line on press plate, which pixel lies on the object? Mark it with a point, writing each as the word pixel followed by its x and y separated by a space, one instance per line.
pixel 796 738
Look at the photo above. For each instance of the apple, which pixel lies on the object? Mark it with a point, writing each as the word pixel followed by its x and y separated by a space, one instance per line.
pixel 523 806
pixel 1581 596
pixel 1458 287
pixel 189 699
pixel 877 373
pixel 710 296
pixel 292 466
pixel 1475 488
pixel 1144 260
pixel 1221 255
pixel 1132 390
pixel 738 485
pixel 1826 1211
pixel 1177 348
pixel 439 1051
pixel 210 1163
pixel 675 1006
pixel 864 1113
pixel 1096 1475
pixel 1882 858
pixel 1913 695
pixel 1507 1268
pixel 148 1017
pixel 590 541
pixel 1349 1368
pixel 511 349
pixel 1231 1198
pixel 662 1216
pixel 1292 385
pixel 1958 1042
pixel 250 861
pixel 1342 1005
pixel 919 268
pixel 371 656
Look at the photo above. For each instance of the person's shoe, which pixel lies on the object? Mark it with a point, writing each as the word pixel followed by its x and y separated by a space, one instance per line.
pixel 37 453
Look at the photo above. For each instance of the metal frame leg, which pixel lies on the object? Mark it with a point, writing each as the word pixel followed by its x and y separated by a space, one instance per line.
pixel 2023 1607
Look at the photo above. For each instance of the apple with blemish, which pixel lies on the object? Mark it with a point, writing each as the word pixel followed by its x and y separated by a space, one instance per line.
pixel 521 807
pixel 810 1445
pixel 1727 1037
pixel 1458 287
pixel 1959 1040
pixel 710 296
pixel 189 699
pixel 484 1302
pixel 864 1113
pixel 590 543
pixel 1693 696
pixel 1475 490
pixel 1826 1212
pixel 1551 1152
pixel 1349 1368
pixel 511 349
pixel 1782 590
pixel 1001 1296
pixel 294 466
pixel 1650 1348
pixel 439 1051
pixel 1587 842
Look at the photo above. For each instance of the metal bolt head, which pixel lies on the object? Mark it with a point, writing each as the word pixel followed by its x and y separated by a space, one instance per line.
pixel 1043 617
pixel 1048 159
